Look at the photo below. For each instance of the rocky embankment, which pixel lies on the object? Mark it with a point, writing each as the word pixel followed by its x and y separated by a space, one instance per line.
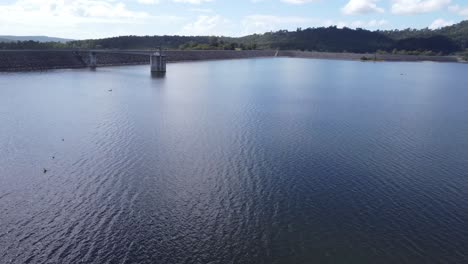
pixel 39 60
pixel 116 59
pixel 11 61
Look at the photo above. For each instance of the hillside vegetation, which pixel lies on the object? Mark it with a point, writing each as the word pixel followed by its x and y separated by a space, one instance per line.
pixel 447 40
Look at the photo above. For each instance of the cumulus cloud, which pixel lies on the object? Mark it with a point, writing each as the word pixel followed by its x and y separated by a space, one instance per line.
pixel 440 23
pixel 214 25
pixel 462 11
pixel 257 23
pixel 76 8
pixel 103 18
pixel 354 7
pixel 369 24
pixel 262 23
pixel 71 18
pixel 408 7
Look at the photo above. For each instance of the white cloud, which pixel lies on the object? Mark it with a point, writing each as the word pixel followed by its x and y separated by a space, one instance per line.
pixel 264 23
pixel 72 18
pixel 418 6
pixel 103 18
pixel 354 7
pixel 462 11
pixel 218 25
pixel 440 23
pixel 369 24
pixel 77 8
pixel 214 25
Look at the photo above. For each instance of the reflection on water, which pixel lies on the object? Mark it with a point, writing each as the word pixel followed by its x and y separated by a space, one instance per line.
pixel 241 161
pixel 158 74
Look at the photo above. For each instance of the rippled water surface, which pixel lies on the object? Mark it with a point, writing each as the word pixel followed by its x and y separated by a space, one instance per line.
pixel 241 161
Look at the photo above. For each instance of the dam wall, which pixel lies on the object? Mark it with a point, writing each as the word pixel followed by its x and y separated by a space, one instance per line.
pixel 29 60
pixel 115 59
pixel 196 55
pixel 39 60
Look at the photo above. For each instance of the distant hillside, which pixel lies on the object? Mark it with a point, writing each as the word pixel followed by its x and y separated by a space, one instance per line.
pixel 458 33
pixel 330 39
pixel 4 40
pixel 145 42
pixel 34 38
pixel 442 41
pixel 447 40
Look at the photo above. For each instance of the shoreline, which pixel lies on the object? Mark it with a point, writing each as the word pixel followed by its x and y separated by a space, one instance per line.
pixel 37 60
pixel 370 57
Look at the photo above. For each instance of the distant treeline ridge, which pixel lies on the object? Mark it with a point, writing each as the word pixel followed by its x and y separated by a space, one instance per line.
pixel 447 40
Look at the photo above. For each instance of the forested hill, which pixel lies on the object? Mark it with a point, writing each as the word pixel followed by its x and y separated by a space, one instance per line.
pixel 322 39
pixel 457 32
pixel 446 40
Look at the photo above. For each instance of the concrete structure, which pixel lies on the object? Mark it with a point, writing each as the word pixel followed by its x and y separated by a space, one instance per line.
pixel 92 59
pixel 158 62
pixel 38 60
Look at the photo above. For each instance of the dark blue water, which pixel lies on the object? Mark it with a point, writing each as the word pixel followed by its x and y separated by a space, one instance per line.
pixel 242 161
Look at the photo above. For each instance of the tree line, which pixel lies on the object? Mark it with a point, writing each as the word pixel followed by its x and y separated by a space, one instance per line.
pixel 447 40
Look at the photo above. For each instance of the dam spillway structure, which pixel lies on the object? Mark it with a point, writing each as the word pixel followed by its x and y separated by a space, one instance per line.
pixel 158 62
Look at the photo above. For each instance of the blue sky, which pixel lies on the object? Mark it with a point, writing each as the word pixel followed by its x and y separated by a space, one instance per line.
pixel 80 19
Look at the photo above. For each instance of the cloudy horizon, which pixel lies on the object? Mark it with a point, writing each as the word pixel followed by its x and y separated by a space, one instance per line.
pixel 81 19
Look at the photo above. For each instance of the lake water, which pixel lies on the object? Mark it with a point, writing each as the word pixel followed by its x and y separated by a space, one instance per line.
pixel 241 161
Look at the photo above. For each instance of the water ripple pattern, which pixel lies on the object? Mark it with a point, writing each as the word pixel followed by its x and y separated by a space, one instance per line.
pixel 242 161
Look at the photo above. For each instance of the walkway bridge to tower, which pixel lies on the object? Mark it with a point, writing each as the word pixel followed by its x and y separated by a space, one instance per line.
pixel 157 58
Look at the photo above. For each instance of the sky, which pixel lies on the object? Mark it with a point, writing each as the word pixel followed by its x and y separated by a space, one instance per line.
pixel 83 19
